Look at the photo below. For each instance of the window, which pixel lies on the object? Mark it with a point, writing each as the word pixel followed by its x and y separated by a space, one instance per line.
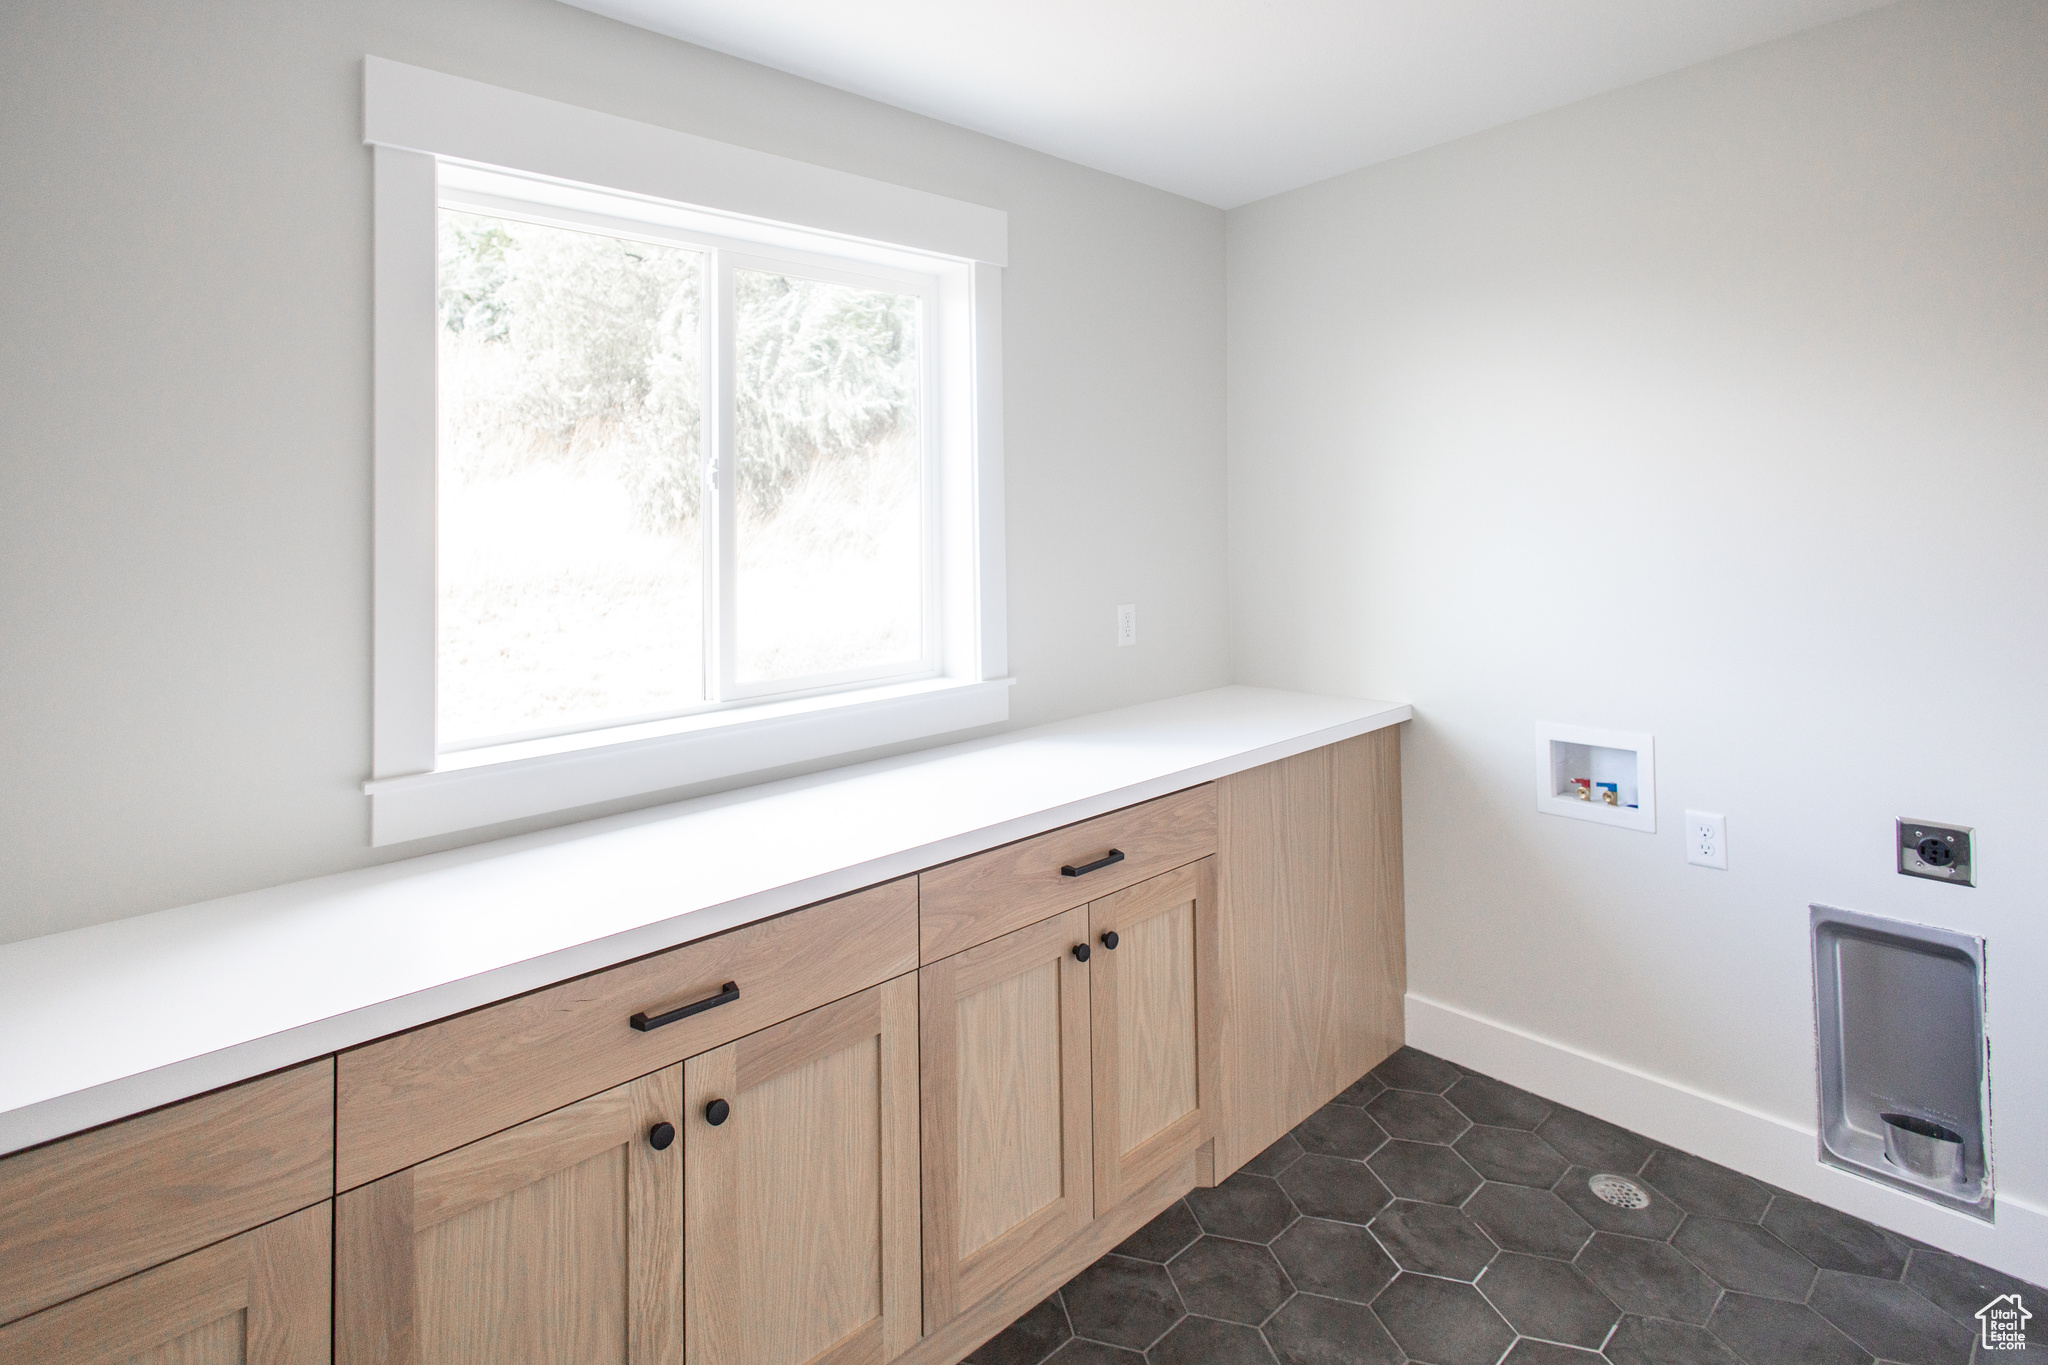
pixel 621 539
pixel 677 490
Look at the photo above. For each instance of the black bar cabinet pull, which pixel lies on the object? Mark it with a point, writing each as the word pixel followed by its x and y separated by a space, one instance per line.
pixel 1115 855
pixel 727 993
pixel 1110 940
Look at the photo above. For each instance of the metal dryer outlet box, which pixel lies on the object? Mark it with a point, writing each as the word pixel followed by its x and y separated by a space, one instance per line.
pixel 1905 1076
pixel 1942 853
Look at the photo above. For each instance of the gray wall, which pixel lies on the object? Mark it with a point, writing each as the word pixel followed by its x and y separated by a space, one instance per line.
pixel 1713 408
pixel 185 456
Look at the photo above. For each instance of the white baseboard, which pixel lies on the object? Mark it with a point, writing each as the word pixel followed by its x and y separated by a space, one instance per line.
pixel 1755 1143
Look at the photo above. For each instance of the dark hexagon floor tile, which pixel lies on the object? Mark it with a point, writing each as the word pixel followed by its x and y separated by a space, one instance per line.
pixel 1699 1186
pixel 1418 1118
pixel 1235 1281
pixel 1431 1239
pixel 1079 1352
pixel 1548 1299
pixel 1028 1340
pixel 1522 1219
pixel 1331 1187
pixel 1656 1221
pixel 1511 1155
pixel 1408 1069
pixel 1959 1287
pixel 1164 1238
pixel 1655 1341
pixel 1497 1104
pixel 1274 1159
pixel 1889 1320
pixel 1442 1322
pixel 1423 1170
pixel 1746 1258
pixel 1586 1141
pixel 1528 1352
pixel 1648 1278
pixel 1336 1260
pixel 1361 1091
pixel 1122 1302
pixel 1247 1208
pixel 1204 1341
pixel 1781 1333
pixel 1834 1240
pixel 1316 1331
pixel 1341 1130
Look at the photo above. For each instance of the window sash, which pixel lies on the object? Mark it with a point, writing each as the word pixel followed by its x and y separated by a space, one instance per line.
pixel 718 337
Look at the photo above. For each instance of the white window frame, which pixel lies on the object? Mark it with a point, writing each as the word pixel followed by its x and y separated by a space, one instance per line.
pixel 438 138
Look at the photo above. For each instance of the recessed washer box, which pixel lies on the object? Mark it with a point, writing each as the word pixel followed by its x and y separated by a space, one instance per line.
pixel 1617 767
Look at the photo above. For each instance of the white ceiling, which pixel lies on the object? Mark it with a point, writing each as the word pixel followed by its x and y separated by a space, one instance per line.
pixel 1227 101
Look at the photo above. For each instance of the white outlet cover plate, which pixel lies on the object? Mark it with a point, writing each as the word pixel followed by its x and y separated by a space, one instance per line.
pixel 1706 839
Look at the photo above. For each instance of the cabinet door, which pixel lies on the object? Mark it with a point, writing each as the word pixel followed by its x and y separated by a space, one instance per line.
pixel 257 1299
pixel 1365 881
pixel 1007 1160
pixel 801 1190
pixel 1313 966
pixel 1152 1003
pixel 559 1240
pixel 1281 951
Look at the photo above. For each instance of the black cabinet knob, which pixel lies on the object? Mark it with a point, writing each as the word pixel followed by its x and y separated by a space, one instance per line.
pixel 1109 940
pixel 1080 952
pixel 660 1136
pixel 716 1112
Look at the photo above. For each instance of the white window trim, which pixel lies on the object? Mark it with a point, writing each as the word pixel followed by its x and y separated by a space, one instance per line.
pixel 418 122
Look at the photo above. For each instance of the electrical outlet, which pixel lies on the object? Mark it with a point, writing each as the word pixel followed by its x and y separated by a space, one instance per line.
pixel 1706 839
pixel 1127 624
pixel 1941 853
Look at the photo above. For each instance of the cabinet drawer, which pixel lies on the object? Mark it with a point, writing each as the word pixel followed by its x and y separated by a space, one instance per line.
pixel 91 1209
pixel 429 1091
pixel 992 893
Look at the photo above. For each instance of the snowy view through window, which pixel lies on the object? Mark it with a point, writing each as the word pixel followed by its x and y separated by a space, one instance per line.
pixel 577 528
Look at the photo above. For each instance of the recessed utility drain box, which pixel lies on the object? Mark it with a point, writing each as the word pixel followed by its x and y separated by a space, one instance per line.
pixel 1904 1075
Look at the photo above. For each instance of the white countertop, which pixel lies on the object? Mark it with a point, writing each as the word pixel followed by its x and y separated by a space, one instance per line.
pixel 117 1018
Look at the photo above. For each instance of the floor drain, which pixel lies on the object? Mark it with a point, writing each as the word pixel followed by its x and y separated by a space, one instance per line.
pixel 1619 1191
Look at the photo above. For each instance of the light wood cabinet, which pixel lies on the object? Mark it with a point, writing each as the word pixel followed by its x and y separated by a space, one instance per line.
pixel 1366 884
pixel 961 904
pixel 1008 1159
pixel 257 1299
pixel 92 1209
pixel 801 1174
pixel 563 1239
pixel 1066 1065
pixel 558 1240
pixel 1153 1018
pixel 416 1095
pixel 1313 959
pixel 936 1100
